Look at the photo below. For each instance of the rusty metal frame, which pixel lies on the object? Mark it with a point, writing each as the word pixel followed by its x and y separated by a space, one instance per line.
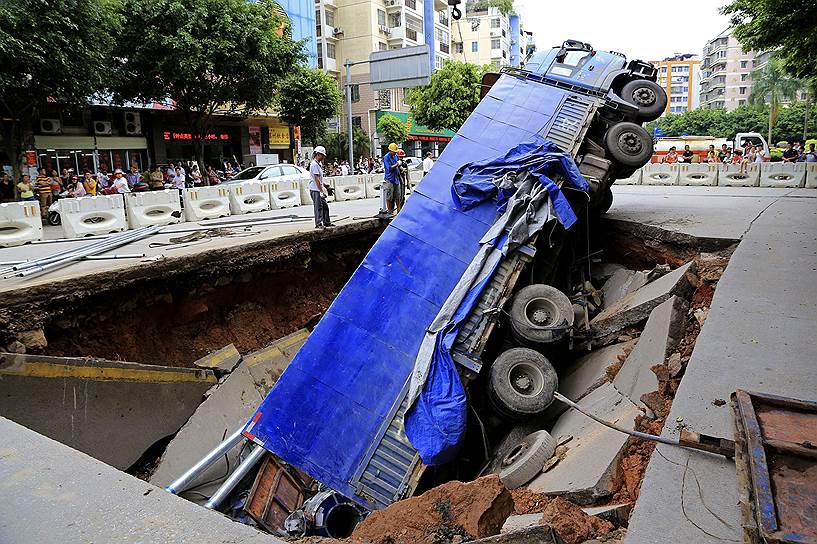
pixel 761 506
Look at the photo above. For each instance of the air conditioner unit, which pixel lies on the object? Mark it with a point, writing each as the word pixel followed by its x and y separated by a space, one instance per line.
pixel 337 30
pixel 384 29
pixel 133 123
pixel 50 126
pixel 392 3
pixel 102 128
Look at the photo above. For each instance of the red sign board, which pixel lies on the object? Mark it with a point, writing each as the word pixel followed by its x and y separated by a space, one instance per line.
pixel 429 138
pixel 173 136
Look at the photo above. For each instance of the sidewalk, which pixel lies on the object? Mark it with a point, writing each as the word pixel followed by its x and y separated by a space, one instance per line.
pixel 759 336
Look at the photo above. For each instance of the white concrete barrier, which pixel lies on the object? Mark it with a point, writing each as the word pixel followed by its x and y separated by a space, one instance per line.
pixel 782 174
pixel 811 175
pixel 634 179
pixel 20 223
pixel 285 194
pixel 415 177
pixel 738 175
pixel 373 183
pixel 249 197
pixel 349 187
pixel 206 202
pixel 153 208
pixel 89 215
pixel 659 174
pixel 698 174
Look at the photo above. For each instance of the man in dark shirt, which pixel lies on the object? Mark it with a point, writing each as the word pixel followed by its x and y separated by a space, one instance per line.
pixel 688 154
pixel 790 154
pixel 723 153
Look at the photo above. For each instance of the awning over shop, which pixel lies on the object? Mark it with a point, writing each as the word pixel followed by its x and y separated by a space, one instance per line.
pixel 416 131
pixel 87 142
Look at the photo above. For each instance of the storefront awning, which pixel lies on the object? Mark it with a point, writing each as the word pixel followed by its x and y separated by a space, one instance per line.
pixel 87 142
pixel 416 131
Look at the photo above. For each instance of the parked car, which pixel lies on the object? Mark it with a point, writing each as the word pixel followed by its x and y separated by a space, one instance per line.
pixel 277 172
pixel 414 163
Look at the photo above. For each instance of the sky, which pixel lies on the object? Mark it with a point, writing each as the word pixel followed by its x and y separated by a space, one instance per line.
pixel 639 29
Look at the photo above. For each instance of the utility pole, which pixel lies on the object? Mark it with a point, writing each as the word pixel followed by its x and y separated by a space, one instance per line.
pixel 349 65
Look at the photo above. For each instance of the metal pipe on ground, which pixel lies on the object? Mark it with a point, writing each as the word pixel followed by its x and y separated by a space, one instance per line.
pixel 88 258
pixel 182 482
pixel 240 471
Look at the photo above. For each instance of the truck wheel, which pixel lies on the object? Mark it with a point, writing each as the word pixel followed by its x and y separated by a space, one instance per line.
pixel 525 460
pixel 629 144
pixel 541 314
pixel 648 96
pixel 509 442
pixel 606 201
pixel 521 383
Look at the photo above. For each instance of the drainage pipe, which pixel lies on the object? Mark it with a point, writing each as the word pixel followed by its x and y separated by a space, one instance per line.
pixel 182 482
pixel 239 472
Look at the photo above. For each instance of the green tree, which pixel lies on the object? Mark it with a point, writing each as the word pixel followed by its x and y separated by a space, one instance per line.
pixel 337 144
pixel 504 6
pixel 307 98
pixel 450 97
pixel 392 129
pixel 791 27
pixel 209 56
pixel 773 85
pixel 50 52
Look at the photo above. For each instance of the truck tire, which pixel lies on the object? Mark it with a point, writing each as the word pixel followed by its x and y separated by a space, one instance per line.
pixel 526 459
pixel 508 442
pixel 540 314
pixel 629 144
pixel 606 201
pixel 521 383
pixel 648 96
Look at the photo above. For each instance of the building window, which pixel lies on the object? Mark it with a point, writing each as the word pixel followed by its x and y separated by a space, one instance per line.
pixel 494 43
pixel 394 20
pixel 743 90
pixel 411 4
pixel 438 63
pixel 381 17
pixel 663 69
pixel 474 47
pixel 356 93
pixel 495 23
pixel 503 33
pixel 744 77
pixel 330 50
pixel 411 34
pixel 330 18
pixel 741 102
pixel 382 46
pixel 744 64
pixel 445 48
pixel 458 48
pixel 357 121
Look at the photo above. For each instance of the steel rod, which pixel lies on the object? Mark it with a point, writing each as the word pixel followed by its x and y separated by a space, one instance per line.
pixel 183 482
pixel 239 472
pixel 88 258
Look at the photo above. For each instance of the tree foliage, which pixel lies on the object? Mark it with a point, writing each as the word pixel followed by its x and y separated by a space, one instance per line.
pixel 307 98
pixel 337 144
pixel 206 55
pixel 504 6
pixel 392 129
pixel 50 52
pixel 721 123
pixel 450 97
pixel 773 85
pixel 790 27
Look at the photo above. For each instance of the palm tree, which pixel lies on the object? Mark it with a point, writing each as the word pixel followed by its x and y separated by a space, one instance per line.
pixel 772 84
pixel 810 92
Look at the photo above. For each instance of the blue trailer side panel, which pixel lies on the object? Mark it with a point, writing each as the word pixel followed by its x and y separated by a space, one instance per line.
pixel 336 397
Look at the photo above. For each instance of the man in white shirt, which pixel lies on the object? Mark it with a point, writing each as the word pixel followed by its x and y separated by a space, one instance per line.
pixel 344 169
pixel 120 182
pixel 428 162
pixel 316 189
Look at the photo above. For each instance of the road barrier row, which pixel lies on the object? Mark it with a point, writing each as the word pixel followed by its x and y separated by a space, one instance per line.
pixel 767 174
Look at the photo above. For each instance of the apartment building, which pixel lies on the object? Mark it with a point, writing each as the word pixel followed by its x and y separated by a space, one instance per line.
pixel 726 80
pixel 487 36
pixel 680 75
pixel 352 29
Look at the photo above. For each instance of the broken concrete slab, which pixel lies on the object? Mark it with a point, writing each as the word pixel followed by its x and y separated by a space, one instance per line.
pixel 223 360
pixel 586 472
pixel 540 534
pixel 661 335
pixel 521 521
pixel 229 405
pixel 587 374
pixel 53 493
pixel 622 283
pixel 617 514
pixel 266 365
pixel 601 272
pixel 111 410
pixel 637 306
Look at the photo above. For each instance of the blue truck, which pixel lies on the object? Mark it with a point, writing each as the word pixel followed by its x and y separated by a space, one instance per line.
pixel 450 319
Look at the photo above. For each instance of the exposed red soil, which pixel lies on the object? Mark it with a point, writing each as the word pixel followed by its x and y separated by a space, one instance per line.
pixel 470 510
pixel 526 501
pixel 572 524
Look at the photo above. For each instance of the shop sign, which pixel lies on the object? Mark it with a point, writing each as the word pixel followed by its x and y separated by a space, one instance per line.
pixel 31 158
pixel 279 135
pixel 255 140
pixel 182 136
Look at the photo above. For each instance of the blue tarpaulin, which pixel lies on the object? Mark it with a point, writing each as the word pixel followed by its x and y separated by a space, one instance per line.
pixel 335 402
pixel 436 423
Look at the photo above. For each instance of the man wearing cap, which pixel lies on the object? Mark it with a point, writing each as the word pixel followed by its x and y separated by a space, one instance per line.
pixel 316 189
pixel 120 182
pixel 391 178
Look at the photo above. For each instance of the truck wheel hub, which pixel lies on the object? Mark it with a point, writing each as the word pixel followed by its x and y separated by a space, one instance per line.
pixel 630 143
pixel 644 96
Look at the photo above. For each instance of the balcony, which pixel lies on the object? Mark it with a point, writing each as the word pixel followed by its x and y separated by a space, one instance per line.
pixel 397 33
pixel 441 5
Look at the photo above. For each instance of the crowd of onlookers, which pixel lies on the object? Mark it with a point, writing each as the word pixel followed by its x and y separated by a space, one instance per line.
pixel 47 187
pixel 365 165
pixel 794 152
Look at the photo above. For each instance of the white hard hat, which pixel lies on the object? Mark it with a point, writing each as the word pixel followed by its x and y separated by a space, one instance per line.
pixel 320 149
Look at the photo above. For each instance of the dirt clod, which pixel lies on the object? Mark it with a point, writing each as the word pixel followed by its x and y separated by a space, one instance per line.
pixel 470 510
pixel 572 524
